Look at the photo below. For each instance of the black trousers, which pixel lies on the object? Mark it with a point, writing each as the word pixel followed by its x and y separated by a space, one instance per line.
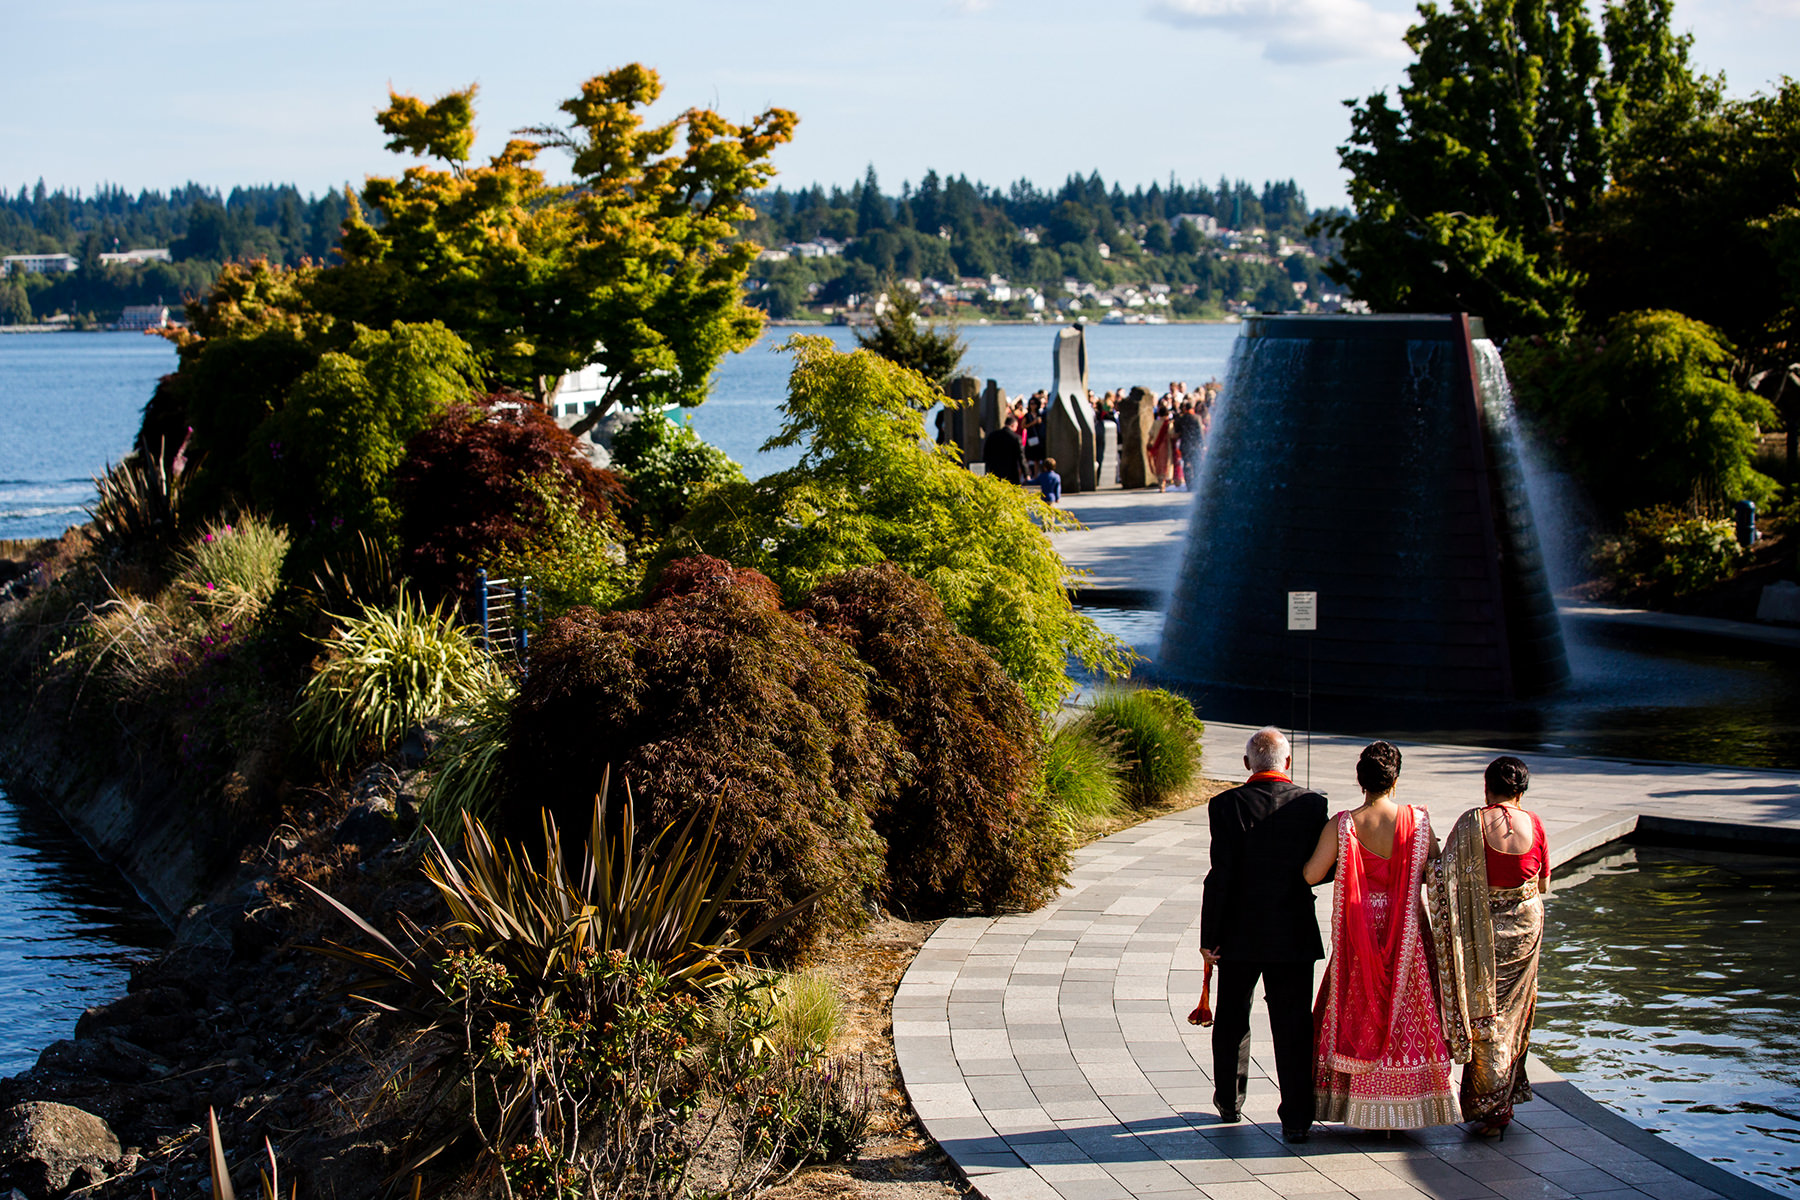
pixel 1287 990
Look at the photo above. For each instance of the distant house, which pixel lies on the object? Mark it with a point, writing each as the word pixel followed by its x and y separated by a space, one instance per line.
pixel 37 264
pixel 128 258
pixel 772 256
pixel 1205 224
pixel 144 316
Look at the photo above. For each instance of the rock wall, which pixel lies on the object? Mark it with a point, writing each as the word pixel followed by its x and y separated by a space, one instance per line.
pixel 171 850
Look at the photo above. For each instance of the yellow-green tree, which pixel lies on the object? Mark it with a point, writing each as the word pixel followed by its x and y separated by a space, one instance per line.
pixel 867 491
pixel 634 266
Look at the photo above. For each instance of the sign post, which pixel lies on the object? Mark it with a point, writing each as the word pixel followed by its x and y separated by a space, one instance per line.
pixel 1303 617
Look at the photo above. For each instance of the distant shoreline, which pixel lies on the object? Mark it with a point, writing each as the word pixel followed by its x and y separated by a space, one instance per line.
pixel 790 323
pixel 4 329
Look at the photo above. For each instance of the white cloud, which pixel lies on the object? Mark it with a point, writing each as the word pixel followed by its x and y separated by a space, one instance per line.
pixel 1295 31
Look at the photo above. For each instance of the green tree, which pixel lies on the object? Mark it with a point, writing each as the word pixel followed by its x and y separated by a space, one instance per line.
pixel 636 267
pixel 1503 135
pixel 901 335
pixel 667 467
pixel 1646 415
pixel 1703 217
pixel 329 455
pixel 866 491
pixel 15 305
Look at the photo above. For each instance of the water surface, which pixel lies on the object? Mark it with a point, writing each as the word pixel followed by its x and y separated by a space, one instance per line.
pixel 70 404
pixel 70 929
pixel 1670 991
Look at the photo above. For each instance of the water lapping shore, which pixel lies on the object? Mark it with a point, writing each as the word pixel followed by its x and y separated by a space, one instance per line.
pixel 69 931
pixel 69 405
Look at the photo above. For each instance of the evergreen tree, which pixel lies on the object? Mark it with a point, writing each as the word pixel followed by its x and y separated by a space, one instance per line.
pixel 901 336
pixel 1502 137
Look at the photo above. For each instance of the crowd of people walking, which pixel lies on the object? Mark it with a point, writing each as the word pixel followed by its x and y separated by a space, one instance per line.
pixel 1406 995
pixel 1181 419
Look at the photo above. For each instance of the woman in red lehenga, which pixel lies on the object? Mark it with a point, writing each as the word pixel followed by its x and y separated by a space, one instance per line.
pixel 1379 1058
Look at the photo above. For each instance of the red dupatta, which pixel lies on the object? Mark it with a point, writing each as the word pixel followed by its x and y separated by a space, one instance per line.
pixel 1370 965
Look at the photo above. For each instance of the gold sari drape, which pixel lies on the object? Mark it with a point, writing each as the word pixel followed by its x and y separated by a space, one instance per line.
pixel 1487 944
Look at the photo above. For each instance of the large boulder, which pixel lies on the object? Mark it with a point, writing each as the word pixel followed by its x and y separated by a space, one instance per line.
pixel 47 1149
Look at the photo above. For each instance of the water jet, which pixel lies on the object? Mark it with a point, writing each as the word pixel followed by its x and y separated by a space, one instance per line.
pixel 1372 460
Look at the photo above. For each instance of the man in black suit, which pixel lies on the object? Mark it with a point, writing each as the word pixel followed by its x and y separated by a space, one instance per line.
pixel 1002 454
pixel 1257 922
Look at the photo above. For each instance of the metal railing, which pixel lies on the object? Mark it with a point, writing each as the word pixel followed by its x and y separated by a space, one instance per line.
pixel 506 609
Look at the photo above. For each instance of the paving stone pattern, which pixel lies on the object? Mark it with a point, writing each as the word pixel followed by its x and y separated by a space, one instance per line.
pixel 1050 1055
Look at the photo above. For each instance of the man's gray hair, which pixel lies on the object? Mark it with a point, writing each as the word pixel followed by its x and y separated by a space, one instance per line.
pixel 1267 749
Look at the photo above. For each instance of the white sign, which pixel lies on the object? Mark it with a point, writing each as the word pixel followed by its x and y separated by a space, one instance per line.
pixel 1303 611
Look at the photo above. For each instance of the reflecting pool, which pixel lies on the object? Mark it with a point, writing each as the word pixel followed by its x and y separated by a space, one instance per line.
pixel 1669 992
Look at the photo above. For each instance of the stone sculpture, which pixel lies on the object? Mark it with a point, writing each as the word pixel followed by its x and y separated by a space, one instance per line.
pixel 993 410
pixel 1137 422
pixel 965 419
pixel 1069 423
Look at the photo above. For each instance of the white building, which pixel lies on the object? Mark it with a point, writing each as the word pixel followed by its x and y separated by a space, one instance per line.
pixel 130 257
pixel 38 264
pixel 144 316
pixel 1205 224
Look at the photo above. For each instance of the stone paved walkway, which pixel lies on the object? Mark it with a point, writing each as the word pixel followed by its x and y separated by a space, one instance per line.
pixel 1132 546
pixel 1049 1052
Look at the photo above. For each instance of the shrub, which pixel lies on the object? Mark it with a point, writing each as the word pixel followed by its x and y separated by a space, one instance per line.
pixel 809 1014
pixel 473 484
pixel 806 1108
pixel 866 491
pixel 966 826
pixel 1084 773
pixel 568 998
pixel 232 569
pixel 571 558
pixel 667 467
pixel 139 504
pixel 390 670
pixel 711 691
pixel 359 572
pixel 465 763
pixel 1670 551
pixel 1647 415
pixel 1157 734
pixel 326 460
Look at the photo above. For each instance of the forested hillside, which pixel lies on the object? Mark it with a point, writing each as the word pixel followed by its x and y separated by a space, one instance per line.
pixel 948 229
pixel 943 229
pixel 200 228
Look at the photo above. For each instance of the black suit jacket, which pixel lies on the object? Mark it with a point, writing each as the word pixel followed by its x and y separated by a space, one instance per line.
pixel 1001 452
pixel 1257 905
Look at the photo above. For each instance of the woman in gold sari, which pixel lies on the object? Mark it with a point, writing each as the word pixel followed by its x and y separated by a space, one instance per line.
pixel 1488 924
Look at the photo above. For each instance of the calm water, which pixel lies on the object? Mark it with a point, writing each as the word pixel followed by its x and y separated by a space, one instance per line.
pixel 742 412
pixel 1624 702
pixel 70 403
pixel 69 931
pixel 1669 991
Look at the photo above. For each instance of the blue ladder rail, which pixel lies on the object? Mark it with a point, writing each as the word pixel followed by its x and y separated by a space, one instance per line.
pixel 506 608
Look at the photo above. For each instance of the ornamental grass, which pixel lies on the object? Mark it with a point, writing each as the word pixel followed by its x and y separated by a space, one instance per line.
pixel 390 670
pixel 1084 771
pixel 1157 733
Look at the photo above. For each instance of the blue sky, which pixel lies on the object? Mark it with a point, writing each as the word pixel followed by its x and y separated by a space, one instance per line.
pixel 152 95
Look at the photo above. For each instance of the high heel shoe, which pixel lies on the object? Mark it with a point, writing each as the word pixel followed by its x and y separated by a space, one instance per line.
pixel 1490 1129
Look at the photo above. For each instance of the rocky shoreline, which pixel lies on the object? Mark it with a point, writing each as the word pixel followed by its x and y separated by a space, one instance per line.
pixel 235 1016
